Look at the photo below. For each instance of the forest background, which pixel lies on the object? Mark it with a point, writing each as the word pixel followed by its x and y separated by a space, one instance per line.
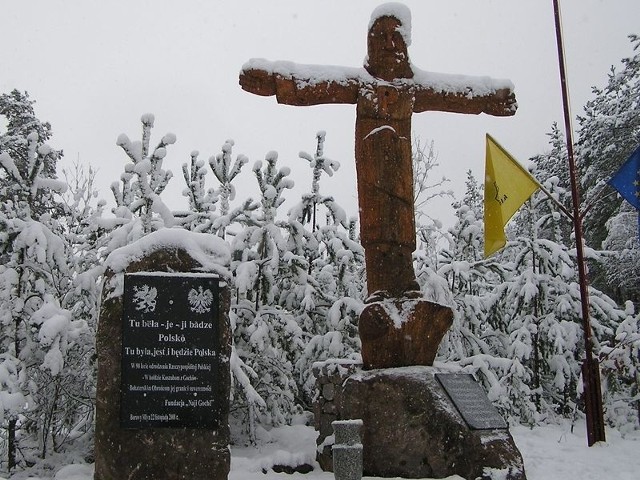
pixel 298 283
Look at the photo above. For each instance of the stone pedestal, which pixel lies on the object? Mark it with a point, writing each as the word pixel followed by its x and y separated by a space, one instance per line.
pixel 412 429
pixel 143 453
pixel 330 376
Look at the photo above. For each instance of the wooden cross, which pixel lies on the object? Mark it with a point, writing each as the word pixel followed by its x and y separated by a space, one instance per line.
pixel 386 93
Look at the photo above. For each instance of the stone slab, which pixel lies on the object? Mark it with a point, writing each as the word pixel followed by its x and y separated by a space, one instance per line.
pixel 471 401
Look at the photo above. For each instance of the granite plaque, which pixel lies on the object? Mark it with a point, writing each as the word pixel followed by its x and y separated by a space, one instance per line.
pixel 170 357
pixel 471 401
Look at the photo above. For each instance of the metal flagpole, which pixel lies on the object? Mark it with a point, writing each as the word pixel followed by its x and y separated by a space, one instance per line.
pixel 590 368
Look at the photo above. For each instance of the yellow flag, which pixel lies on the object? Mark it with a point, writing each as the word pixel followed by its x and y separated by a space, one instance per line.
pixel 507 185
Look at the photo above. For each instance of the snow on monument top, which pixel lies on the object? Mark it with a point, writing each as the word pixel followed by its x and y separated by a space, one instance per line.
pixel 210 251
pixel 398 11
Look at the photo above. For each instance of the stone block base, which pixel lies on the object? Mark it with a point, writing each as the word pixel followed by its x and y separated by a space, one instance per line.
pixel 411 427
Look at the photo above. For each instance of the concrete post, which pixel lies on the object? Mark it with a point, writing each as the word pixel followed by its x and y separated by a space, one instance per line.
pixel 347 450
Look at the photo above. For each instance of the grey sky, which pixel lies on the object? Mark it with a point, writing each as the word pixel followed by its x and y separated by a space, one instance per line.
pixel 95 67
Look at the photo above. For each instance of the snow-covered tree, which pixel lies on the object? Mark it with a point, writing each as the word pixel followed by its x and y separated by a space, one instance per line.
pixel 47 242
pixel 609 131
pixel 469 278
pixel 324 286
pixel 202 201
pixel 143 180
pixel 430 235
pixel 24 143
pixel 621 373
pixel 622 246
pixel 86 238
pixel 552 169
pixel 540 305
pixel 36 330
pixel 267 339
pixel 424 159
pixel 226 172
pixel 210 208
pixel 33 265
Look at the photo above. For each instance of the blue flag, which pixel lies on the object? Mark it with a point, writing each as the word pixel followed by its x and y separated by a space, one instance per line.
pixel 627 180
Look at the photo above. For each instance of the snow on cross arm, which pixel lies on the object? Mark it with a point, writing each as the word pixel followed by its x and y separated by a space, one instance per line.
pixel 308 75
pixel 471 85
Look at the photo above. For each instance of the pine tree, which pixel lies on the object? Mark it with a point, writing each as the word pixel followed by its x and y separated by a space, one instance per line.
pixel 609 132
pixel 36 331
pixel 202 202
pixel 226 173
pixel 623 253
pixel 323 285
pixel 25 143
pixel 203 215
pixel 143 181
pixel 470 278
pixel 552 170
pixel 621 373
pixel 541 307
pixel 267 339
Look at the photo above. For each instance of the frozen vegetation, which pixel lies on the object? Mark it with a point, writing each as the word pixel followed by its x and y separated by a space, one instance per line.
pixel 297 284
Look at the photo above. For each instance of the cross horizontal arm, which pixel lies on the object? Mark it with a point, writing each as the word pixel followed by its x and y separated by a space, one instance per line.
pixel 298 84
pixel 463 94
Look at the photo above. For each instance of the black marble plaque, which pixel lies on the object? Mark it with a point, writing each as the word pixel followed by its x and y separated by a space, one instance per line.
pixel 170 353
pixel 471 401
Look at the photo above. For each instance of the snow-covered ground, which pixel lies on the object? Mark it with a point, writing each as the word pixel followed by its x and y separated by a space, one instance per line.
pixel 550 453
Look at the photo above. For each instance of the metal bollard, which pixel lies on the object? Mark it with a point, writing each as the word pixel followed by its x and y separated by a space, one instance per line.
pixel 347 450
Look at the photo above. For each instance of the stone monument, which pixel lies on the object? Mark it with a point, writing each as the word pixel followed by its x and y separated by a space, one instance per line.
pixel 387 91
pixel 163 345
pixel 412 426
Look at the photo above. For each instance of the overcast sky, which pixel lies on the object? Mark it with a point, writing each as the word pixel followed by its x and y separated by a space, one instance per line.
pixel 94 67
